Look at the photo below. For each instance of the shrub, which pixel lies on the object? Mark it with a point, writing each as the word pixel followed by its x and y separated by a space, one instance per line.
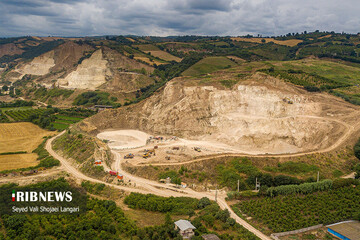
pixel 357 149
pixel 304 188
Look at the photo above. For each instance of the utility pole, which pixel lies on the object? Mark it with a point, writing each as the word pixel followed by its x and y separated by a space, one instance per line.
pixel 257 185
pixel 238 185
pixel 216 194
pixel 318 176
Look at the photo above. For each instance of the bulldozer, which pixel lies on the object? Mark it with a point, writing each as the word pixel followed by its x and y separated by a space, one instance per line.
pixel 130 155
pixel 146 155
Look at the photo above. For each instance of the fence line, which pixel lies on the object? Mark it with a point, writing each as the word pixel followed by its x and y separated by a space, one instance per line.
pixel 276 235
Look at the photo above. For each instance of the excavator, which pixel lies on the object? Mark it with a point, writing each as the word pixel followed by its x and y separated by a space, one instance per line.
pixel 130 155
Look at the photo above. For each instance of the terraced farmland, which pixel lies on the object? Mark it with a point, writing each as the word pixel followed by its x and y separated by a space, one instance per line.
pixel 23 115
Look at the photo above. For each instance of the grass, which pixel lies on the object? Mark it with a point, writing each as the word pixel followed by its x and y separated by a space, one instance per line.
pixel 60 126
pixel 293 168
pixel 341 80
pixel 208 65
pixel 16 108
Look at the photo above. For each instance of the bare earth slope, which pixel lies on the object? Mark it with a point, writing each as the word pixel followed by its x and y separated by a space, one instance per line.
pixel 90 74
pixel 259 115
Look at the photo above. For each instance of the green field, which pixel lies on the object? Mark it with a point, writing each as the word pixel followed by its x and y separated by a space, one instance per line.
pixel 286 213
pixel 16 108
pixel 320 75
pixel 208 65
pixel 22 114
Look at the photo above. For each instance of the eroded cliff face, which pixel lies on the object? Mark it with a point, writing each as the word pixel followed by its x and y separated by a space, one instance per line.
pixel 90 74
pixel 261 115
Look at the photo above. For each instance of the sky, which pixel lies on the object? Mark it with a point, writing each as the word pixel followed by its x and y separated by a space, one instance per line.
pixel 175 17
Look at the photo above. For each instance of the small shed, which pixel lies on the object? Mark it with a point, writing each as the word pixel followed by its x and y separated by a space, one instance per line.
pixel 185 228
pixel 349 230
pixel 210 237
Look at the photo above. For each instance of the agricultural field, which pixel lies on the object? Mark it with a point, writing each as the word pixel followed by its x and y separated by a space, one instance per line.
pixel 208 65
pixel 279 214
pixel 320 75
pixel 15 161
pixel 19 137
pixel 62 122
pixel 19 115
pixel 290 43
pixel 45 118
pixel 156 52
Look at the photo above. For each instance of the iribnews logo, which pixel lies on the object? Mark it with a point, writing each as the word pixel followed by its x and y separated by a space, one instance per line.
pixel 50 196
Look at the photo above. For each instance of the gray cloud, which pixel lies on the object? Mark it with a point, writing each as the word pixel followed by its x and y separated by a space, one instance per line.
pixel 175 17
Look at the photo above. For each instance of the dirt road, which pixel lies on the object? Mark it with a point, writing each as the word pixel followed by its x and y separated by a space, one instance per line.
pixel 147 186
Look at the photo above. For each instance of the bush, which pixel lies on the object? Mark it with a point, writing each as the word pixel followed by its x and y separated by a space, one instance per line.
pixel 304 188
pixel 357 149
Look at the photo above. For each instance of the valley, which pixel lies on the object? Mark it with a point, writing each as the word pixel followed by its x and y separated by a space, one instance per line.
pixel 245 123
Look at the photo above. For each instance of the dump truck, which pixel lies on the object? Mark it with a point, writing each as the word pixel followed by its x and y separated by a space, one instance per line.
pixel 130 155
pixel 120 176
pixel 113 173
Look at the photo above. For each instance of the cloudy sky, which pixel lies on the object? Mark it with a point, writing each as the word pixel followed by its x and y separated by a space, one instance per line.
pixel 175 17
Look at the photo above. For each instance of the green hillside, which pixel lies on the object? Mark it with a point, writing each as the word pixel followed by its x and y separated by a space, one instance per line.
pixel 208 65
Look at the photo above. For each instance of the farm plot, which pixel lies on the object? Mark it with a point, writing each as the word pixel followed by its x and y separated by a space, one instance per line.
pixel 286 213
pixel 16 161
pixel 23 115
pixel 15 137
pixel 156 52
pixel 62 122
pixel 19 137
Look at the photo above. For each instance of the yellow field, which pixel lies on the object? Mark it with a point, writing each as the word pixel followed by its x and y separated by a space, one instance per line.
pixel 15 161
pixel 147 60
pixel 16 137
pixel 164 55
pixel 290 43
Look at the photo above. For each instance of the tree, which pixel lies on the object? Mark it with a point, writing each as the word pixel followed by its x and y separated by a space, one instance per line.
pixel 357 149
pixel 5 88
pixel 203 202
pixel 357 171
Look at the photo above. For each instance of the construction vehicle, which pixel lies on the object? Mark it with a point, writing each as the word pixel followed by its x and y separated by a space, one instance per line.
pixel 197 149
pixel 175 148
pixel 151 151
pixel 120 176
pixel 113 173
pixel 97 162
pixel 146 155
pixel 130 155
pixel 167 157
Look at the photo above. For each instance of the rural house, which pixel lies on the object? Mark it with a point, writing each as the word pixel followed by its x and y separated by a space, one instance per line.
pixel 185 228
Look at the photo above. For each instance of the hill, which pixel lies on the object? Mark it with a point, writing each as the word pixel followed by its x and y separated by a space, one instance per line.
pixel 208 65
pixel 258 114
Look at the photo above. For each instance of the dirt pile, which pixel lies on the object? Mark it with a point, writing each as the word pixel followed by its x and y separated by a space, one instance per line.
pixel 260 115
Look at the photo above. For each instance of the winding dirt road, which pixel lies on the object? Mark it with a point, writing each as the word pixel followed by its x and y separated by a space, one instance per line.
pixel 146 186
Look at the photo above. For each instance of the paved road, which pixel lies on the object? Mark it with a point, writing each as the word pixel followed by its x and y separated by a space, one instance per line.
pixel 146 186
